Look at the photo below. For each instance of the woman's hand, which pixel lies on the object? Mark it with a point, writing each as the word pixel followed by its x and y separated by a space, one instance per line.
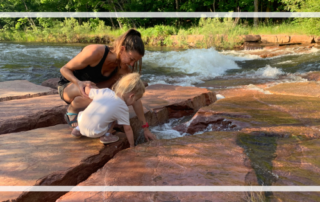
pixel 148 135
pixel 83 84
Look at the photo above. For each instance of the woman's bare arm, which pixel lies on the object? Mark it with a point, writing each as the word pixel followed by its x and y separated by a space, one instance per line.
pixel 90 55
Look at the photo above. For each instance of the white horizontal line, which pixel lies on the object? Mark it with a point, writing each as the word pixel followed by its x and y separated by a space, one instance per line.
pixel 160 188
pixel 159 14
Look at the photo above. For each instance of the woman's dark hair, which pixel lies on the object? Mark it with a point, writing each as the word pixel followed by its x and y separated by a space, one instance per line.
pixel 132 41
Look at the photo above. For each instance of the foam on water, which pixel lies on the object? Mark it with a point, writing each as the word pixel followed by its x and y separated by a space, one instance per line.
pixel 165 130
pixel 264 72
pixel 207 62
pixel 195 64
pixel 285 62
pixel 180 81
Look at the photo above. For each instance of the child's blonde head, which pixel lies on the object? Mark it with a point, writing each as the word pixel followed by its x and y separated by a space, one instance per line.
pixel 130 83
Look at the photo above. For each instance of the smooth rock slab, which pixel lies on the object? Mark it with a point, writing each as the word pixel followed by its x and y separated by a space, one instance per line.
pixel 50 156
pixel 28 114
pixel 193 160
pixel 160 102
pixel 309 89
pixel 20 89
pixel 297 164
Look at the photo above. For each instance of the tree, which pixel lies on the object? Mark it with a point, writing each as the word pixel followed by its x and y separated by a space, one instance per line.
pixel 256 9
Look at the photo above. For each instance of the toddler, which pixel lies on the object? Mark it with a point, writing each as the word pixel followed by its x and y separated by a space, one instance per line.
pixel 107 107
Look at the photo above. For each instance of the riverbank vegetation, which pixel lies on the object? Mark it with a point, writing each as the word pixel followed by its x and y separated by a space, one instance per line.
pixel 216 32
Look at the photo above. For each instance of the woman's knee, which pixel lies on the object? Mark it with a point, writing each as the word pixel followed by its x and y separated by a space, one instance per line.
pixel 70 93
pixel 80 102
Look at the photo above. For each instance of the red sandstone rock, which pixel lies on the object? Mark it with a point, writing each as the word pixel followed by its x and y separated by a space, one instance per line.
pixel 52 83
pixel 296 164
pixel 301 39
pixel 20 89
pixel 283 38
pixel 252 38
pixel 27 114
pixel 317 39
pixel 312 76
pixel 50 156
pixel 199 160
pixel 309 89
pixel 205 118
pixel 269 39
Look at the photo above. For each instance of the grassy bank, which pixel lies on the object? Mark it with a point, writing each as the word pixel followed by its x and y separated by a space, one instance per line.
pixel 216 33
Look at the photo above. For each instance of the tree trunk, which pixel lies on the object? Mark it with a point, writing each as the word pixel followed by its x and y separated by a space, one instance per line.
pixel 214 5
pixel 256 9
pixel 236 20
pixel 268 10
pixel 33 25
pixel 113 27
pixel 177 10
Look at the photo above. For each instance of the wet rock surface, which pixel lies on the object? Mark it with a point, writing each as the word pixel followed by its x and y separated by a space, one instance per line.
pixel 162 102
pixel 50 156
pixel 282 135
pixel 193 160
pixel 20 89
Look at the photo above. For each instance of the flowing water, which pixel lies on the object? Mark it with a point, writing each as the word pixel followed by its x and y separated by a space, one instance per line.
pixel 208 68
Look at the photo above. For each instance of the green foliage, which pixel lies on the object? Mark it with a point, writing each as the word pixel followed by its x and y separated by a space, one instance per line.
pixel 311 24
pixel 154 31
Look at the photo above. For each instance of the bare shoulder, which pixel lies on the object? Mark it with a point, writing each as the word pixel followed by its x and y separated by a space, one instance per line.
pixel 94 51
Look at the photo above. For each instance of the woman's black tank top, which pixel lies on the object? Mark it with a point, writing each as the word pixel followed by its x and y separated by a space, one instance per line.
pixel 89 73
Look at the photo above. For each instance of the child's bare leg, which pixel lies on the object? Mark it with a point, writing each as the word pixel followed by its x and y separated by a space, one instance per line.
pixel 111 131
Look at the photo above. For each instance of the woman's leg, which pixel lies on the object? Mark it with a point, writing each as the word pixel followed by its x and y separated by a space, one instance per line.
pixel 77 102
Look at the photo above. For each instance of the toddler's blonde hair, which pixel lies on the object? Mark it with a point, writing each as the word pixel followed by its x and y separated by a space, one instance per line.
pixel 130 83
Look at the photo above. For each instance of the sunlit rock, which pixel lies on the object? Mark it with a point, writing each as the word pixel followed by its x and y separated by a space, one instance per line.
pixel 19 89
pixel 50 156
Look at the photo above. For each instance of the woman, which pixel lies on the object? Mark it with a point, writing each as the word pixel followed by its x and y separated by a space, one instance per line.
pixel 101 66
